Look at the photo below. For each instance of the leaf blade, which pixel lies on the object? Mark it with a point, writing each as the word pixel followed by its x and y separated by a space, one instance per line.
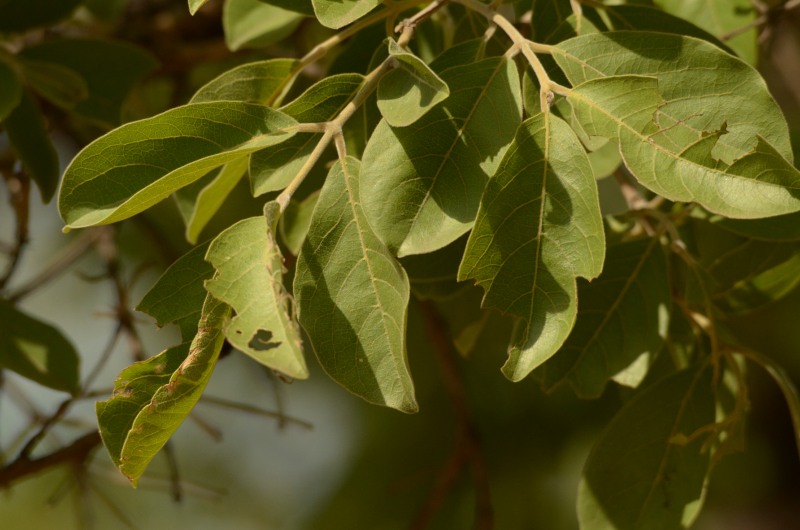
pixel 538 228
pixel 352 297
pixel 141 163
pixel 434 187
pixel 249 278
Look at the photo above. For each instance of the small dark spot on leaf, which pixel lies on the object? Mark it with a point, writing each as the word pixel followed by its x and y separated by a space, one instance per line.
pixel 261 341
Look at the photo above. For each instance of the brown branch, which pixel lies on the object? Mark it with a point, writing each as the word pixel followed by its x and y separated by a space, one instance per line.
pixel 76 454
pixel 19 188
pixel 468 445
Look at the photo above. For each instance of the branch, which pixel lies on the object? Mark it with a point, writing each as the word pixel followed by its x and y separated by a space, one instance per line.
pixel 76 454
pixel 468 449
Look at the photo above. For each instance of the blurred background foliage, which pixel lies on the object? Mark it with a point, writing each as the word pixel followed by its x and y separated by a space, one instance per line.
pixel 242 461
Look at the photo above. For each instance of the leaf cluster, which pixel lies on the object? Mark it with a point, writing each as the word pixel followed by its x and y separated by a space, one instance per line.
pixel 464 149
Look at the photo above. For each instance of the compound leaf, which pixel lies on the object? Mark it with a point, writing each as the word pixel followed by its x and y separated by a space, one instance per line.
pixel 249 278
pixel 352 297
pixel 538 228
pixel 139 164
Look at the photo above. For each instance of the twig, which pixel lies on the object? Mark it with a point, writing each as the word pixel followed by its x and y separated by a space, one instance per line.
pixel 75 453
pixel 468 438
pixel 19 188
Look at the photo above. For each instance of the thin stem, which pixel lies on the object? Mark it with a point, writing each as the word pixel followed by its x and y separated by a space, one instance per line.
pixel 320 50
pixel 333 128
pixel 19 189
pixel 547 86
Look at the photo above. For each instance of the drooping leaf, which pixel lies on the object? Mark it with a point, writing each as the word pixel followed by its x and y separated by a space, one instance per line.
pixel 179 294
pixel 273 168
pixel 109 70
pixel 37 351
pixel 158 406
pixel 720 17
pixel 27 132
pixel 623 318
pixel 647 470
pixel 249 278
pixel 259 82
pixel 10 89
pixel 198 206
pixel 134 388
pixel 295 222
pixel 338 13
pixel 421 184
pixel 139 164
pixel 702 117
pixel 352 297
pixel 18 16
pixel 410 90
pixel 254 24
pixel 56 83
pixel 762 287
pixel 538 228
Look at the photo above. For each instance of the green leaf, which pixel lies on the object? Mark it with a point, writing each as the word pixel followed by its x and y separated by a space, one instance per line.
pixel 646 470
pixel 410 90
pixel 258 82
pixel 763 288
pixel 435 275
pixel 195 5
pixel 352 297
pixel 538 227
pixel 623 319
pixel 720 17
pixel 139 164
pixel 56 83
pixel 109 69
pixel 780 228
pixel 717 137
pixel 273 168
pixel 28 134
pixel 18 16
pixel 250 279
pixel 300 6
pixel 422 183
pixel 296 221
pixel 337 13
pixel 646 18
pixel 253 24
pixel 787 387
pixel 10 89
pixel 179 294
pixel 198 206
pixel 37 351
pixel 152 398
